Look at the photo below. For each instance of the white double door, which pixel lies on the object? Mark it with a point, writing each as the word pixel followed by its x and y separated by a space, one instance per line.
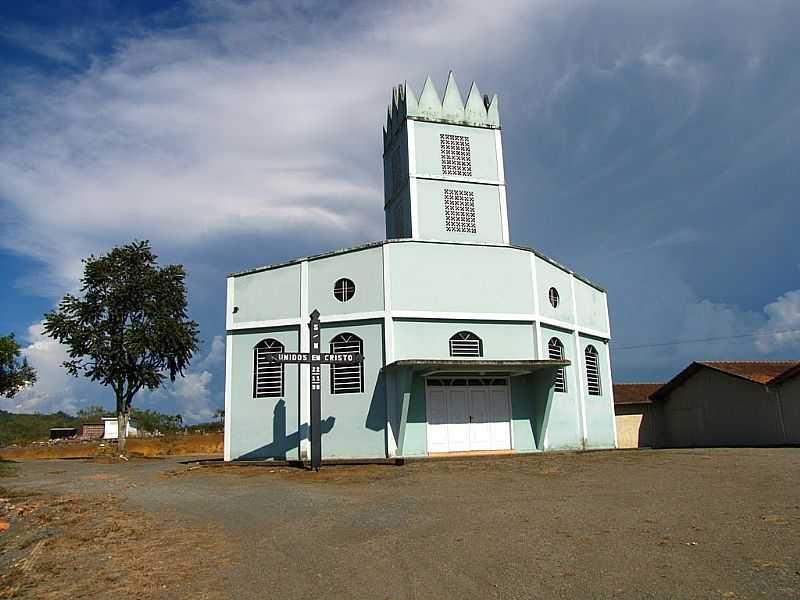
pixel 468 418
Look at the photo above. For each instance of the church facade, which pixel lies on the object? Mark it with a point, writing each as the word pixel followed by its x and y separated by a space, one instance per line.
pixel 470 343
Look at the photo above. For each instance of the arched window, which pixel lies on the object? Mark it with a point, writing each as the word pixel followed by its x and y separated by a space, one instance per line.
pixel 555 350
pixel 267 375
pixel 347 379
pixel 593 371
pixel 466 343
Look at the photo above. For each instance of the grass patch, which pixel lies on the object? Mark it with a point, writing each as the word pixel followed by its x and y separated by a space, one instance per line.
pixel 7 468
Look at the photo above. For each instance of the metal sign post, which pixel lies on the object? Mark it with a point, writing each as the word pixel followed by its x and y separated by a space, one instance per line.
pixel 316 359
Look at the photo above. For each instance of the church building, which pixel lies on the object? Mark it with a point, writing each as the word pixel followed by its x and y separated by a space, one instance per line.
pixel 469 342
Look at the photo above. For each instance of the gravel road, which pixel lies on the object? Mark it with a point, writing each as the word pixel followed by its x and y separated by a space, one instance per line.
pixel 719 523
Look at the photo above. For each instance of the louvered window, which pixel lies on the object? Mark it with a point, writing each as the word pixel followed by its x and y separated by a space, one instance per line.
pixel 555 350
pixel 466 343
pixel 593 371
pixel 347 379
pixel 456 158
pixel 459 211
pixel 267 375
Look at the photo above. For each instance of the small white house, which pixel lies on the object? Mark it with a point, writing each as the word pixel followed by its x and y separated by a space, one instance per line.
pixel 111 429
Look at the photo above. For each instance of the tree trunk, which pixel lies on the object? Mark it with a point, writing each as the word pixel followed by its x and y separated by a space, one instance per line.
pixel 122 430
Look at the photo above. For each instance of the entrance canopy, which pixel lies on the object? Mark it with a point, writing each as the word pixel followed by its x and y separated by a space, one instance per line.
pixel 508 368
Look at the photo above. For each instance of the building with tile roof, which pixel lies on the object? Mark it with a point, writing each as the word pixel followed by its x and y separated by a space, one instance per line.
pixel 634 415
pixel 737 403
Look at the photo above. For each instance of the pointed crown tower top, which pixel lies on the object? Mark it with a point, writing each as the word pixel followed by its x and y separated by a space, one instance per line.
pixel 478 111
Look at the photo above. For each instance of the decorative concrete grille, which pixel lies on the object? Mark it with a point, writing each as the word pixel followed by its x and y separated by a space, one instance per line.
pixel 344 289
pixel 456 159
pixel 554 297
pixel 555 351
pixel 267 376
pixel 347 379
pixel 466 343
pixel 459 211
pixel 468 382
pixel 592 371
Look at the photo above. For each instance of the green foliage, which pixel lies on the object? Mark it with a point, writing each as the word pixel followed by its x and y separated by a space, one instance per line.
pixel 14 373
pixel 129 330
pixel 94 413
pixel 21 429
pixel 152 421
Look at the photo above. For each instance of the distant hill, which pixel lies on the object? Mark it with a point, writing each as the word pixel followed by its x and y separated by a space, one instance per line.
pixel 22 428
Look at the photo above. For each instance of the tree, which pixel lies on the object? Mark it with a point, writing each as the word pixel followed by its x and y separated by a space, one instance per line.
pixel 15 374
pixel 153 421
pixel 219 415
pixel 129 329
pixel 94 413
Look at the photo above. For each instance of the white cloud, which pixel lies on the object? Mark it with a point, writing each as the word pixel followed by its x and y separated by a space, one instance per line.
pixel 54 389
pixel 783 316
pixel 240 122
pixel 193 394
pixel 216 354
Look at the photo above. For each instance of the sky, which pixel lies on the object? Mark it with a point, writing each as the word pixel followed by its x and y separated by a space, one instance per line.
pixel 651 147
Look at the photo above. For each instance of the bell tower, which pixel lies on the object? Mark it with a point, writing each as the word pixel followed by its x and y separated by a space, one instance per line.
pixel 443 166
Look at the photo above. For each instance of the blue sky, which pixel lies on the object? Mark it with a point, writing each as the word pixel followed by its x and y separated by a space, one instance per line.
pixel 650 146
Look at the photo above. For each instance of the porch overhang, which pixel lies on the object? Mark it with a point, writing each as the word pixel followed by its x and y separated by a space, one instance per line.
pixel 510 368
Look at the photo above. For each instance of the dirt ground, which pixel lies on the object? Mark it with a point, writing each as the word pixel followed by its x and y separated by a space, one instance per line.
pixel 722 523
pixel 168 445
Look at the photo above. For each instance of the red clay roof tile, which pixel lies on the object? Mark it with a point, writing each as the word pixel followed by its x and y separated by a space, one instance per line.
pixel 634 393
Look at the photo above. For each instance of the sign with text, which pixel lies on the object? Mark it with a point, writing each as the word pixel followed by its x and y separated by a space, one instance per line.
pixel 316 359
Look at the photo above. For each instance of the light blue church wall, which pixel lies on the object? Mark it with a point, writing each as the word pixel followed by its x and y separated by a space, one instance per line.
pixel 483 149
pixel 563 425
pixel 531 402
pixel 271 294
pixel 354 424
pixel 363 267
pixel 444 277
pixel 425 339
pixel 591 304
pixel 265 427
pixel 548 275
pixel 599 409
pixel 489 227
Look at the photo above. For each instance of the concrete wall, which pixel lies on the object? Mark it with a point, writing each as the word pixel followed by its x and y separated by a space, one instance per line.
pixel 591 305
pixel 264 427
pixel 488 222
pixel 599 409
pixel 356 423
pixel 460 278
pixel 431 338
pixel 364 268
pixel 634 426
pixel 273 294
pixel 428 150
pixel 790 409
pixel 548 275
pixel 563 423
pixel 715 409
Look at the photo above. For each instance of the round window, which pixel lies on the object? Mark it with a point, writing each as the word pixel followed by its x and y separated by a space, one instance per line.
pixel 554 298
pixel 344 289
